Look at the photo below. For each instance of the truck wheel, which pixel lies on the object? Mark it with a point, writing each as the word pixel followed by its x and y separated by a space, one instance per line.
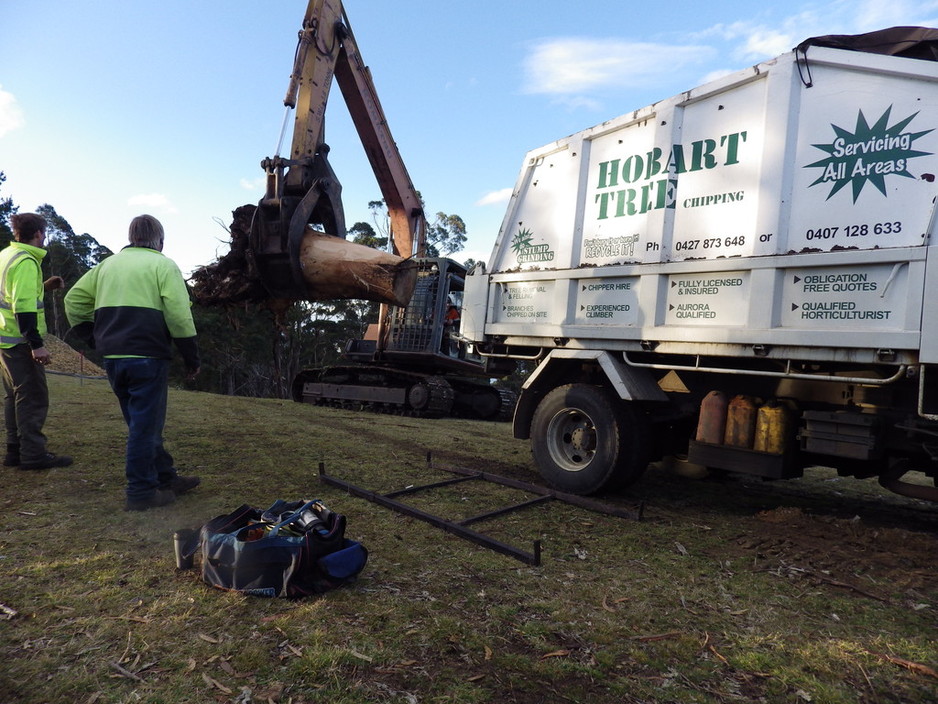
pixel 583 438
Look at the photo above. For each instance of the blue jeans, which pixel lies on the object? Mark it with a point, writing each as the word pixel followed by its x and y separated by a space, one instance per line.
pixel 140 384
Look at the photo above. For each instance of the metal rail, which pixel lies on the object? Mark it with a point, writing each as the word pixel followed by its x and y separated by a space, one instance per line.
pixel 858 380
pixel 529 558
pixel 458 528
pixel 547 494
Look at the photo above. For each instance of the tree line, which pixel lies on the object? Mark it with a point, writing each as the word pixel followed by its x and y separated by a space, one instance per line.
pixel 244 350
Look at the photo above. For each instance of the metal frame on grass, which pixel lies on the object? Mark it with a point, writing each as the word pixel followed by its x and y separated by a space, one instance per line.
pixel 459 528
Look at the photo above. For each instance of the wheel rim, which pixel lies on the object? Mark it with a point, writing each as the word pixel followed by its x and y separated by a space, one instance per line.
pixel 571 439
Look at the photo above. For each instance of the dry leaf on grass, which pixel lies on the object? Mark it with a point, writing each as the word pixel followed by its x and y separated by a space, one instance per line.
pixel 124 672
pixel 556 654
pixel 212 682
pixel 606 605
pixel 658 636
pixel 907 664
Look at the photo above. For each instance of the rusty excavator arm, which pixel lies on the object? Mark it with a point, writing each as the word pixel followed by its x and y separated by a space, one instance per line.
pixel 303 195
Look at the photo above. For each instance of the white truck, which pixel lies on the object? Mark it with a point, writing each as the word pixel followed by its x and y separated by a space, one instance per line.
pixel 745 273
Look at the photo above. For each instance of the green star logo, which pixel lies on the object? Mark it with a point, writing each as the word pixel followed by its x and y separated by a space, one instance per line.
pixel 522 240
pixel 869 153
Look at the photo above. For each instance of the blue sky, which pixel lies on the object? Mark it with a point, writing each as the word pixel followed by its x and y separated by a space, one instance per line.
pixel 112 108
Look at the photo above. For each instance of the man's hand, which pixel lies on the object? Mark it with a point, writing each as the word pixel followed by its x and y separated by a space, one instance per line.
pixel 192 374
pixel 42 356
pixel 53 282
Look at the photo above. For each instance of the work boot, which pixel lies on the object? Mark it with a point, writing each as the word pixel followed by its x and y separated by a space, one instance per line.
pixel 161 497
pixel 48 461
pixel 180 485
pixel 12 458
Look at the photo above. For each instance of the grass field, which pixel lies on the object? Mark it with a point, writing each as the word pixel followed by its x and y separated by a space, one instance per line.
pixel 816 590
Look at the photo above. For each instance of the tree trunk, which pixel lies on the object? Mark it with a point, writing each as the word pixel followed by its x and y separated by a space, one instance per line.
pixel 333 268
pixel 336 268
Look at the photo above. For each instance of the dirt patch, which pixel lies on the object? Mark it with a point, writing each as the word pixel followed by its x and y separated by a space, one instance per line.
pixel 68 360
pixel 848 554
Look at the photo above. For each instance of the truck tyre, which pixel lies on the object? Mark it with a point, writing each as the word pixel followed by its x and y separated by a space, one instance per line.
pixel 584 438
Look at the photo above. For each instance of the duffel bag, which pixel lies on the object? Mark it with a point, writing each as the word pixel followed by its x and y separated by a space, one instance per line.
pixel 292 549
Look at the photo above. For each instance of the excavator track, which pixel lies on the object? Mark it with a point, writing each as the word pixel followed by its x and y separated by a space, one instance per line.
pixel 376 389
pixel 482 401
pixel 384 390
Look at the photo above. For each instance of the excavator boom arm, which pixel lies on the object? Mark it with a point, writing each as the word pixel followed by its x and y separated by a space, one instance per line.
pixel 294 246
pixel 408 226
pixel 327 50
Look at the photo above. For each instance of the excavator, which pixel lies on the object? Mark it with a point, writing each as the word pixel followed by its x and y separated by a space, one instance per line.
pixel 292 246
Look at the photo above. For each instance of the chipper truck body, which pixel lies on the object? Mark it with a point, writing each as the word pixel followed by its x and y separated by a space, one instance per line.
pixel 745 274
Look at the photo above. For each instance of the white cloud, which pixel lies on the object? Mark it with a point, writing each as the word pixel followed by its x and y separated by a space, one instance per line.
pixel 764 43
pixel 574 102
pixel 11 116
pixel 495 197
pixel 751 42
pixel 254 184
pixel 577 66
pixel 576 71
pixel 756 40
pixel 875 14
pixel 155 201
pixel 715 74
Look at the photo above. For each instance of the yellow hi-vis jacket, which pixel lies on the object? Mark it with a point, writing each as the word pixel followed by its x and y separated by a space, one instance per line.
pixel 21 291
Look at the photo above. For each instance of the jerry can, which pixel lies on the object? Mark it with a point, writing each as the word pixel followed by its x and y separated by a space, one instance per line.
pixel 740 422
pixel 773 424
pixel 712 422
